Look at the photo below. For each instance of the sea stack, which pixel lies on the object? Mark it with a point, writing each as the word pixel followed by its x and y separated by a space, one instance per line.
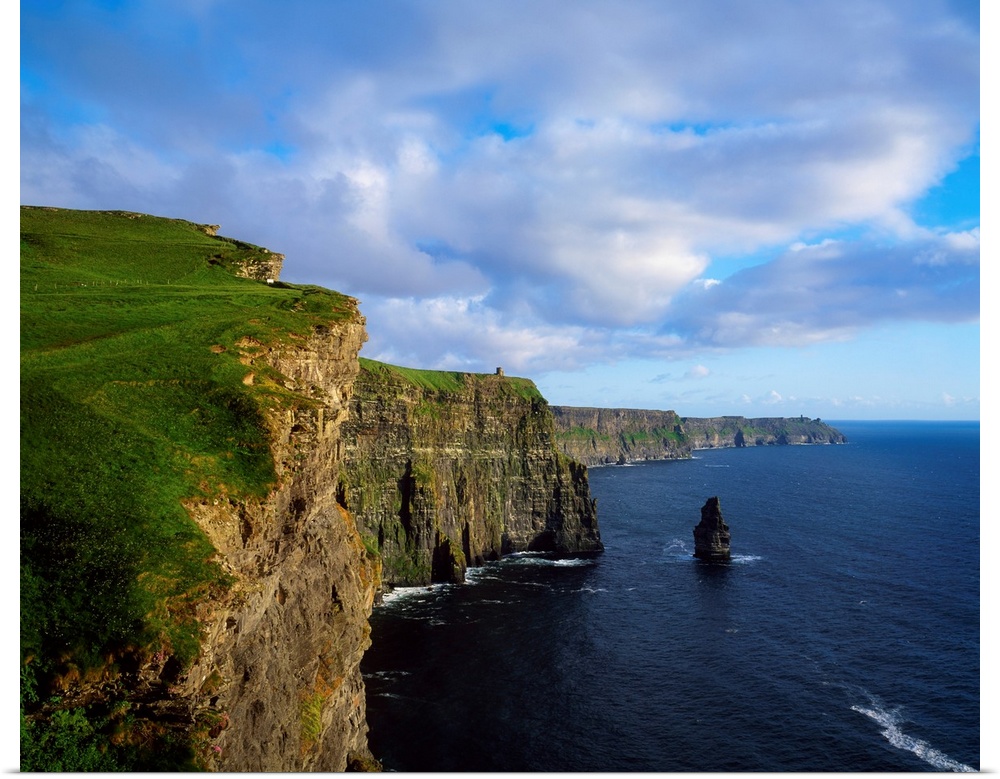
pixel 711 536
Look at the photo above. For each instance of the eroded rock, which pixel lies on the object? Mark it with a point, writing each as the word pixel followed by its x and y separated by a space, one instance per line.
pixel 711 535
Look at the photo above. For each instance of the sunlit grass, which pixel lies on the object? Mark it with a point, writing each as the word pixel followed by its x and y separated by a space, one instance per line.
pixel 132 400
pixel 448 381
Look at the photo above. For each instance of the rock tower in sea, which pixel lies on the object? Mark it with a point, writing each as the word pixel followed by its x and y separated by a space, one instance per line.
pixel 711 535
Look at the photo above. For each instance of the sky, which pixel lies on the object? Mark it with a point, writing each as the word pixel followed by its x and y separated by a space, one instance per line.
pixel 710 206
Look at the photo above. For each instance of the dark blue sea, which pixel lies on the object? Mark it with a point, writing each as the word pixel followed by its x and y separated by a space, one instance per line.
pixel 843 635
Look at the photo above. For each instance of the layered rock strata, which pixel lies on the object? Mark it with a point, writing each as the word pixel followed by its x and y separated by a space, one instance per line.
pixel 596 436
pixel 441 478
pixel 720 432
pixel 711 534
pixel 280 663
pixel 432 478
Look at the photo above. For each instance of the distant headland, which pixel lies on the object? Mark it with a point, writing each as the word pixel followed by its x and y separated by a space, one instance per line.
pixel 599 436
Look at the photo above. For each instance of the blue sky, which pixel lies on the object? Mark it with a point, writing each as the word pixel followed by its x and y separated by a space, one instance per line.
pixel 711 206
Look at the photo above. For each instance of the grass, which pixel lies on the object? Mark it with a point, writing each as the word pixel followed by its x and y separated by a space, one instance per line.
pixel 133 399
pixel 449 381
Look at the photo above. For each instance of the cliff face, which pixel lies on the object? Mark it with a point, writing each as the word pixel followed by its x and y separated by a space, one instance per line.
pixel 236 645
pixel 281 657
pixel 442 477
pixel 714 432
pixel 434 480
pixel 612 435
pixel 598 436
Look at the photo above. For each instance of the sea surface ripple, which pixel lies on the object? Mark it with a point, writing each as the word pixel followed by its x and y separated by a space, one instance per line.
pixel 842 636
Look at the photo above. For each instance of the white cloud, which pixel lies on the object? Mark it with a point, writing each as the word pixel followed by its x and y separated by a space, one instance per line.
pixel 771 398
pixel 411 332
pixel 654 137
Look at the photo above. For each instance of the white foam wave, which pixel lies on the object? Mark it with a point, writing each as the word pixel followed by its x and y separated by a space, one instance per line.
pixel 680 550
pixel 890 720
pixel 400 594
pixel 573 562
pixel 392 675
pixel 534 558
pixel 475 574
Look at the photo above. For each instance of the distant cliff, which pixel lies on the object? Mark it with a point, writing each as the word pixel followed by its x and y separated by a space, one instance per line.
pixel 601 435
pixel 447 470
pixel 213 489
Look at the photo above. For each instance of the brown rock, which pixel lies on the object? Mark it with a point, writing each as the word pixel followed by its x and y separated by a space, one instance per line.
pixel 286 641
pixel 440 478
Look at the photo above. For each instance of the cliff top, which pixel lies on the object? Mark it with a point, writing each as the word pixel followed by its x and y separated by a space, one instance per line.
pixel 133 398
pixel 449 381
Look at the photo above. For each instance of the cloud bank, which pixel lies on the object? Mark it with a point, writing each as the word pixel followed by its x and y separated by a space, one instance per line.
pixel 541 185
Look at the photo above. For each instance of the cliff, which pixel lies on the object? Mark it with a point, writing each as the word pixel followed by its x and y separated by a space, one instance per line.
pixel 281 654
pixel 715 432
pixel 599 436
pixel 617 435
pixel 446 470
pixel 212 487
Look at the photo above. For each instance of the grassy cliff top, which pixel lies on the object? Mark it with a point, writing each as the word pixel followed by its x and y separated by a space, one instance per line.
pixel 449 381
pixel 132 399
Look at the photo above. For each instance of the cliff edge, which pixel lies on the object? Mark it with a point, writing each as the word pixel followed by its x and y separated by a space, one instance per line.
pixel 213 488
pixel 599 436
pixel 447 470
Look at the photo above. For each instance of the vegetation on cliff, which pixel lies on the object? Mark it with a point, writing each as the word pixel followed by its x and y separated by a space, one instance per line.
pixel 446 382
pixel 133 399
pixel 617 435
pixel 444 470
pixel 170 387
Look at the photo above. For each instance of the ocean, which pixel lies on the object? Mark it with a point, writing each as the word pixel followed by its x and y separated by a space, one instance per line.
pixel 842 636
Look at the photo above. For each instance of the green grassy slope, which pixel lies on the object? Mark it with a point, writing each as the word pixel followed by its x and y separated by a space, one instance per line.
pixel 446 381
pixel 132 399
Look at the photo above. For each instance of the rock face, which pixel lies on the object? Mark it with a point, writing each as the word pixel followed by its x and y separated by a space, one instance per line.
pixel 715 432
pixel 443 477
pixel 597 436
pixel 615 435
pixel 711 534
pixel 371 468
pixel 431 474
pixel 281 659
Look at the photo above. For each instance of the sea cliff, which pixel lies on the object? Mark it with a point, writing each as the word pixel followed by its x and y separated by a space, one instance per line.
pixel 214 490
pixel 447 470
pixel 283 648
pixel 597 436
